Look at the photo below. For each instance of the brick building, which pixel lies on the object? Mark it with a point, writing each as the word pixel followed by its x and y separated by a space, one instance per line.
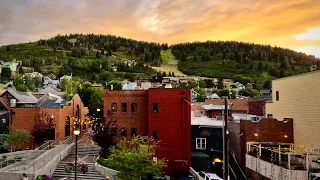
pixel 63 112
pixel 164 114
pixel 266 132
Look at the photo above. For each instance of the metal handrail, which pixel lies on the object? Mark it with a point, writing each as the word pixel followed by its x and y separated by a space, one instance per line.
pixel 27 156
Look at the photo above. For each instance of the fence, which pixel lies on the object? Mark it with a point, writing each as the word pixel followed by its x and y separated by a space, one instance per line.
pixel 111 173
pixel 14 158
pixel 46 163
pixel 273 171
pixel 195 174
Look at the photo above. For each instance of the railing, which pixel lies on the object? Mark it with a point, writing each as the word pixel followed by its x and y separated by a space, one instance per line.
pixel 195 174
pixel 14 158
pixel 107 172
pixel 235 168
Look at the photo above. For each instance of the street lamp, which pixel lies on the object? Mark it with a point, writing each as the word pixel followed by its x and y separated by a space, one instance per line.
pixel 76 132
pixel 98 109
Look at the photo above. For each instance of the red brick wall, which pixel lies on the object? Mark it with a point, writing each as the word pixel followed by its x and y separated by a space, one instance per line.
pixel 128 119
pixel 257 107
pixel 172 122
pixel 24 118
pixel 268 130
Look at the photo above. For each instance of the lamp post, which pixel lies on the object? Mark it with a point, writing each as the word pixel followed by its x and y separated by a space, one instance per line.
pixel 76 132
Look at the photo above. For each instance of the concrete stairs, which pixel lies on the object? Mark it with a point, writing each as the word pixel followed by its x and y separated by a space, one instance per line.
pixel 91 174
pixel 86 150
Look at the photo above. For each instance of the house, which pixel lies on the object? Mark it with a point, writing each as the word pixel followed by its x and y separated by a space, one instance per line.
pixel 11 65
pixel 34 75
pixel 297 97
pixel 52 76
pixel 264 142
pixel 206 141
pixel 266 93
pixel 4 116
pixel 63 112
pixel 163 114
pixel 213 96
pixel 19 99
pixel 237 105
pixel 49 82
pixel 130 86
pixel 240 86
pixel 48 90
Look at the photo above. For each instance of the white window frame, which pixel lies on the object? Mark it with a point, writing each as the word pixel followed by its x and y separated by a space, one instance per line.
pixel 202 141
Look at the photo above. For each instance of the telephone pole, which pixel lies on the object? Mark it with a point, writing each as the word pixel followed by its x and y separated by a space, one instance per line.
pixel 226 142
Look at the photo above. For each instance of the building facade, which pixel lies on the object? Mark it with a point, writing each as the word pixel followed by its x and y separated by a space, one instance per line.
pixel 297 97
pixel 163 114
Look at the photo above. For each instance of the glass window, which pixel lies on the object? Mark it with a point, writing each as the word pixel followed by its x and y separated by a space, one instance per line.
pixel 155 107
pixel 277 95
pixel 134 107
pixel 200 143
pixel 123 132
pixel 133 132
pixel 114 107
pixel 155 135
pixel 123 107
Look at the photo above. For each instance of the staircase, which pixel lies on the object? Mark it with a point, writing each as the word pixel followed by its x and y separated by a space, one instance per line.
pixel 83 151
pixel 91 174
pixel 236 172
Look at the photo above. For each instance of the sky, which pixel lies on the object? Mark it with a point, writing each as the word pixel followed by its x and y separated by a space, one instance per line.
pixel 293 24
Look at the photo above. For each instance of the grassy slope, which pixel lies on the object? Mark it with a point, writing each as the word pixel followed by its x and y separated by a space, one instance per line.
pixel 169 63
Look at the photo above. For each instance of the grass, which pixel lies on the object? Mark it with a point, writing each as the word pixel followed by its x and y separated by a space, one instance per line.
pixel 122 55
pixel 72 40
pixel 169 63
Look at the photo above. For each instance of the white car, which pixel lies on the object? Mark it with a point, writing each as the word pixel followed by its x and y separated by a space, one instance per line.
pixel 209 176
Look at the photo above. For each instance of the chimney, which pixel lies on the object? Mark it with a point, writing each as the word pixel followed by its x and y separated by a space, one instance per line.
pixel 111 87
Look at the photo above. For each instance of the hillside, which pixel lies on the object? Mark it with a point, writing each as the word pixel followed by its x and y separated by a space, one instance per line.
pixel 225 59
pixel 112 57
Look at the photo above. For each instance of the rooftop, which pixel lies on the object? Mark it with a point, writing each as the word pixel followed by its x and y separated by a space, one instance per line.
pixel 205 121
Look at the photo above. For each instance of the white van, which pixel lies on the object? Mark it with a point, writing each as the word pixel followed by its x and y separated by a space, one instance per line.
pixel 209 176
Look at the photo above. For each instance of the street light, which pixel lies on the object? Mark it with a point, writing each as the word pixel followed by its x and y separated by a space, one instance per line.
pixel 76 132
pixel 98 109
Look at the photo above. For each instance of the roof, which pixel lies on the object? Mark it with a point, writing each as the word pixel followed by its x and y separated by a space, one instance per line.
pixel 23 97
pixel 205 121
pixel 199 154
pixel 130 86
pixel 214 96
pixel 52 103
pixel 50 81
pixel 265 91
pixel 50 89
pixel 213 107
pixel 5 103
pixel 298 75
pixel 237 104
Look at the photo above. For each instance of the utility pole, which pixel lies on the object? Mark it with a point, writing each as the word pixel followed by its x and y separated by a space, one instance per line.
pixel 226 141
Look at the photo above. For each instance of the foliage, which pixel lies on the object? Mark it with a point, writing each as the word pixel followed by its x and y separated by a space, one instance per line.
pixel 6 73
pixel 249 92
pixel 107 137
pixel 220 83
pixel 202 83
pixel 201 96
pixel 221 59
pixel 43 177
pixel 15 139
pixel 223 92
pixel 241 79
pixel 117 85
pixel 83 168
pixel 134 159
pixel 209 83
pixel 43 127
pixel 68 167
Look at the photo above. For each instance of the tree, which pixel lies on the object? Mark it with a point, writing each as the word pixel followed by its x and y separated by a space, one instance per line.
pixel 193 84
pixel 223 92
pixel 201 96
pixel 96 99
pixel 174 75
pixel 220 83
pixel 164 74
pixel 209 82
pixel 64 84
pixel 260 66
pixel 22 87
pixel 134 159
pixel 107 137
pixel 202 83
pixel 106 76
pixel 44 128
pixel 117 85
pixel 6 73
pixel 15 140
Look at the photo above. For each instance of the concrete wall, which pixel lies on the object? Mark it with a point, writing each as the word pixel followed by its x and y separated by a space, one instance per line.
pixel 299 99
pixel 111 173
pixel 272 171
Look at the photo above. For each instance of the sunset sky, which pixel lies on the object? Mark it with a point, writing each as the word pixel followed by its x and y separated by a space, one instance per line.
pixel 293 24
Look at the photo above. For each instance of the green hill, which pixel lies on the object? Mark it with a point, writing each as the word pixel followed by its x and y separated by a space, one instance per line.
pixel 96 57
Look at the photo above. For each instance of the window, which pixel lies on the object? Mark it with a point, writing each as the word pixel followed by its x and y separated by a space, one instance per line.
pixel 134 107
pixel 200 143
pixel 123 107
pixel 155 135
pixel 114 107
pixel 277 95
pixel 113 131
pixel 269 116
pixel 133 132
pixel 123 132
pixel 155 107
